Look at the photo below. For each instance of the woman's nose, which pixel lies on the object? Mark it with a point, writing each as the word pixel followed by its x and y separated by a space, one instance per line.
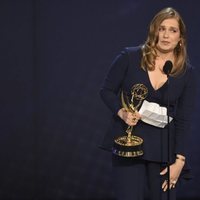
pixel 166 34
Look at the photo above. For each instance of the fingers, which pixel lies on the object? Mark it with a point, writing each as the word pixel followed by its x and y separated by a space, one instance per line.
pixel 171 185
pixel 164 171
pixel 137 114
pixel 132 118
pixel 129 118
pixel 165 184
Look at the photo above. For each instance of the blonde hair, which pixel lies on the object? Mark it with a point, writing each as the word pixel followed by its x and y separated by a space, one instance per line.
pixel 148 49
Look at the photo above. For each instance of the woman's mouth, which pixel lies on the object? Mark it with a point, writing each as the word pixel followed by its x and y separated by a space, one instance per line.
pixel 165 42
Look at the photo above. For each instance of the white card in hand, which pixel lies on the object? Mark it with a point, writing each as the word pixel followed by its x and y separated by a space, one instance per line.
pixel 154 114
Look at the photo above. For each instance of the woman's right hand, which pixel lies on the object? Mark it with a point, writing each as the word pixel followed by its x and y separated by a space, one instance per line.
pixel 128 117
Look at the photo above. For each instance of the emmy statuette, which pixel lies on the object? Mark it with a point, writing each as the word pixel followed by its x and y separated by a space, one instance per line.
pixel 131 145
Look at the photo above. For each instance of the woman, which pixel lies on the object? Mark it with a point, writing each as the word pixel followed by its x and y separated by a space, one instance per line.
pixel 166 41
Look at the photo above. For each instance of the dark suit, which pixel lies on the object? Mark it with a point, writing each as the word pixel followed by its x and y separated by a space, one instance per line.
pixel 125 71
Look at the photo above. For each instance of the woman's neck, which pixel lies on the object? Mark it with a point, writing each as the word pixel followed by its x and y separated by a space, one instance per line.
pixel 165 56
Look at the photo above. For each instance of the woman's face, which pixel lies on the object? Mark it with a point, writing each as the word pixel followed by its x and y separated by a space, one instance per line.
pixel 168 35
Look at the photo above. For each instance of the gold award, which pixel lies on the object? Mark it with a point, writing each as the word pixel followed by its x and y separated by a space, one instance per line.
pixel 131 145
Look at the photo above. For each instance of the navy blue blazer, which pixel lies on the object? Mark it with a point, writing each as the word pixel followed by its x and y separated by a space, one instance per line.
pixel 126 71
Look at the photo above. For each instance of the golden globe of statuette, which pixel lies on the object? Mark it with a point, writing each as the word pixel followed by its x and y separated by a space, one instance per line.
pixel 130 145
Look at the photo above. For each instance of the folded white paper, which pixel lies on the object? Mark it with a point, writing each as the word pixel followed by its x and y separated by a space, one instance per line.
pixel 154 114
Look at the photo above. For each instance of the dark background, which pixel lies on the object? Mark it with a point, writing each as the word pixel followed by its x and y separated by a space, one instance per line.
pixel 54 55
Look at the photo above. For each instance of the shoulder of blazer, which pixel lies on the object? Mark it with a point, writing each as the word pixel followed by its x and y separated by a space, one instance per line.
pixel 133 50
pixel 134 54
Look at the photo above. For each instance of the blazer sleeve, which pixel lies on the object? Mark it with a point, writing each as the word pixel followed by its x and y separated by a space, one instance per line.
pixel 184 112
pixel 113 81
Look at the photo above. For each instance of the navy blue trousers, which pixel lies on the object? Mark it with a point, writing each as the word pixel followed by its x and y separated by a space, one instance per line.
pixel 135 179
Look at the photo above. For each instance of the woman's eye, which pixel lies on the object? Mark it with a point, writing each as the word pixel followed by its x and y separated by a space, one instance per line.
pixel 161 29
pixel 174 30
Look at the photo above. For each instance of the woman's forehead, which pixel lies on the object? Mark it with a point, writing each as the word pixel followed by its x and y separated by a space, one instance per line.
pixel 172 22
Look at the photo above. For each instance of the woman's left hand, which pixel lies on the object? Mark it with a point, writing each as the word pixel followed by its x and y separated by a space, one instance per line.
pixel 175 170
